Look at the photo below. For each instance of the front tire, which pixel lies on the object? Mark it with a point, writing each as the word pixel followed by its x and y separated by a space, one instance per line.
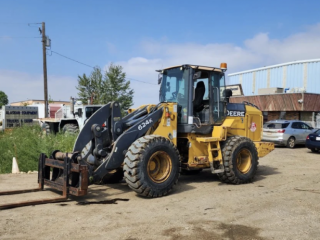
pixel 291 143
pixel 70 128
pixel 240 160
pixel 152 166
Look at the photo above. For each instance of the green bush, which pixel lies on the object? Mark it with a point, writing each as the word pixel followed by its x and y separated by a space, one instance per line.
pixel 26 144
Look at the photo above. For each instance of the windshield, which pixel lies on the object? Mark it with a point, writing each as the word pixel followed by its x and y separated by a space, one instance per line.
pixel 91 110
pixel 275 125
pixel 174 88
pixel 174 83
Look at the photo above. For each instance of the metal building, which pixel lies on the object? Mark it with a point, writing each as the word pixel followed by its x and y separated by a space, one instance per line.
pixel 284 91
pixel 292 75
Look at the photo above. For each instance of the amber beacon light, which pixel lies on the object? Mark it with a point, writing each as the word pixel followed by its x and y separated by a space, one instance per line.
pixel 223 66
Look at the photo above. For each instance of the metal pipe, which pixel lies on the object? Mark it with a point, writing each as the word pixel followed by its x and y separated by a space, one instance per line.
pixel 72 105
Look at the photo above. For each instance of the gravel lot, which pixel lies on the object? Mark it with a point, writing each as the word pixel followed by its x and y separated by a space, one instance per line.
pixel 282 203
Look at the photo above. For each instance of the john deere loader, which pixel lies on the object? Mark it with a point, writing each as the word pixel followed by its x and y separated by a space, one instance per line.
pixel 193 127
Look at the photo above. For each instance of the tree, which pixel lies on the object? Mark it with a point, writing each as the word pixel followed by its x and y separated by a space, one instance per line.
pixel 3 99
pixel 24 104
pixel 50 100
pixel 90 87
pixel 117 88
pixel 107 87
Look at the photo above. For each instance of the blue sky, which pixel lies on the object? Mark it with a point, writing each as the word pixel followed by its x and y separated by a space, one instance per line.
pixel 146 35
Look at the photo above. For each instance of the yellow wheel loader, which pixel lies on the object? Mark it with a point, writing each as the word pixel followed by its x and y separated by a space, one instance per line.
pixel 193 127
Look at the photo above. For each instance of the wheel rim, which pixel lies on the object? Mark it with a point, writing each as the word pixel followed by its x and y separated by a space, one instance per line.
pixel 244 161
pixel 291 142
pixel 159 167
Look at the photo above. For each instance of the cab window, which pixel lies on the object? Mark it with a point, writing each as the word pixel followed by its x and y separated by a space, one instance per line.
pixel 91 110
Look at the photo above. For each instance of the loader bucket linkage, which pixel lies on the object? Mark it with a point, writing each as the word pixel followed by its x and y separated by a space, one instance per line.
pixel 60 183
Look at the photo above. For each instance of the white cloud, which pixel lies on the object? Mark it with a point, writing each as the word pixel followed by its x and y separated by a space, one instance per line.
pixel 143 69
pixel 20 86
pixel 258 51
pixel 299 46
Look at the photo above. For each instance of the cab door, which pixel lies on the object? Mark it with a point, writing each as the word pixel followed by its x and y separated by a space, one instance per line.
pixel 217 99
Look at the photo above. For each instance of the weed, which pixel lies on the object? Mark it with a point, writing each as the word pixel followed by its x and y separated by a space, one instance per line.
pixel 26 143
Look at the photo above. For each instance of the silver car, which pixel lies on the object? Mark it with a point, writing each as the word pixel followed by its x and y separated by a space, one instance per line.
pixel 286 132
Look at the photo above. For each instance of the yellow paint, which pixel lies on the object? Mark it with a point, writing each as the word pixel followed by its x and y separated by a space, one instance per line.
pixel 244 159
pixel 159 167
pixel 241 125
pixel 264 148
pixel 168 125
pixel 206 149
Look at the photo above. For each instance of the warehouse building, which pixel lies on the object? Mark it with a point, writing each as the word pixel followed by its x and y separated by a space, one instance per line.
pixel 36 102
pixel 284 91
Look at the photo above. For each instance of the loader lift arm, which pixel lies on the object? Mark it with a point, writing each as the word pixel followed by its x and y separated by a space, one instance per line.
pixel 116 157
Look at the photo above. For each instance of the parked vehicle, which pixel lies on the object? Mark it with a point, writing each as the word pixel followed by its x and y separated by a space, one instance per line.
pixel 313 141
pixel 69 119
pixel 286 132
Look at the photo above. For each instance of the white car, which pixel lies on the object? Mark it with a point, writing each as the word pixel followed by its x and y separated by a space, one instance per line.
pixel 286 132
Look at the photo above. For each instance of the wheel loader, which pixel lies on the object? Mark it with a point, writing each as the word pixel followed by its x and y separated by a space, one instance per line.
pixel 193 127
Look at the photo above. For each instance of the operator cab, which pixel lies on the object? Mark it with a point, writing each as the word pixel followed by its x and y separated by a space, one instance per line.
pixel 199 94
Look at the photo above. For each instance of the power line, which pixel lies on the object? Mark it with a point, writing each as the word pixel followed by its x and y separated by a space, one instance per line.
pixel 73 59
pixel 94 67
pixel 28 24
pixel 8 37
pixel 141 81
pixel 13 23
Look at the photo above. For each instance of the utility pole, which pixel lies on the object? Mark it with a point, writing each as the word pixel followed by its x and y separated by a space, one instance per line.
pixel 44 39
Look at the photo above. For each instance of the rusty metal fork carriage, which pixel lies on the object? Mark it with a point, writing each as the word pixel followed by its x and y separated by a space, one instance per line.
pixel 63 170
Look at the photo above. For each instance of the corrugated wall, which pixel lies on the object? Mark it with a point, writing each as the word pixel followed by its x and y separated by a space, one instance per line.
pixel 297 74
pixel 282 101
pixel 313 78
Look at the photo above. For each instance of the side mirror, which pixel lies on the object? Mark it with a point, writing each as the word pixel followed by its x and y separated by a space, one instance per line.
pixel 197 75
pixel 80 112
pixel 159 78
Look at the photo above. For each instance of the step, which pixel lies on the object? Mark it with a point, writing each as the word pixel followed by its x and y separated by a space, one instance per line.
pixel 207 139
pixel 217 170
pixel 215 149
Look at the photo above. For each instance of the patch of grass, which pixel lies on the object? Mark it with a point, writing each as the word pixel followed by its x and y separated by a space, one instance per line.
pixel 26 144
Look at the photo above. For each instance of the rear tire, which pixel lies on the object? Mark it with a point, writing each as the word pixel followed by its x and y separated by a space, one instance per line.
pixel 70 128
pixel 152 166
pixel 315 150
pixel 240 160
pixel 291 143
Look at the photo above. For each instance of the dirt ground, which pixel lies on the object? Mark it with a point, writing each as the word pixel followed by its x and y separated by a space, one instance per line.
pixel 282 203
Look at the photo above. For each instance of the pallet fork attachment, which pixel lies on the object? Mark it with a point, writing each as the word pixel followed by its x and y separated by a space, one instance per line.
pixel 60 184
